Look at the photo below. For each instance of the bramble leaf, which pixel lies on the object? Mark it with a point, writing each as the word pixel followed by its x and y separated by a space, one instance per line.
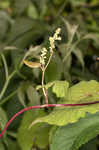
pixel 60 88
pixel 80 93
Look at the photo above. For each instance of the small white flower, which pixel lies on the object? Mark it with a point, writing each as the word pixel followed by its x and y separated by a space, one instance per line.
pixel 53 39
pixel 43 56
pixel 52 46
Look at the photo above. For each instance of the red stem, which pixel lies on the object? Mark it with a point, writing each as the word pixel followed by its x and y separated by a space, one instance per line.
pixel 42 106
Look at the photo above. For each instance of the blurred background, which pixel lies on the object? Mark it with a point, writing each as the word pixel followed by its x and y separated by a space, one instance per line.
pixel 25 27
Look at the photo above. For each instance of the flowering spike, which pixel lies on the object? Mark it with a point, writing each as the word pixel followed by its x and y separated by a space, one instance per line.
pixel 53 39
pixel 43 56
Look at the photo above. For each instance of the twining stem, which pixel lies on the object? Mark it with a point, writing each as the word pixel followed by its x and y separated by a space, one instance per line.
pixel 43 106
pixel 6 84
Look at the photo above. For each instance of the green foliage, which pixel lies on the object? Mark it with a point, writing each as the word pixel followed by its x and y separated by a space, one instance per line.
pixel 60 88
pixel 81 93
pixel 57 67
pixel 38 134
pixel 72 136
pixel 31 22
pixel 1 146
pixel 20 6
pixel 26 30
pixel 3 118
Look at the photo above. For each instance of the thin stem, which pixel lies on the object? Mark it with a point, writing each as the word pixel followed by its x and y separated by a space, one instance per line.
pixel 6 84
pixel 43 106
pixel 43 74
pixel 51 54
pixel 8 97
pixel 5 66
pixel 43 88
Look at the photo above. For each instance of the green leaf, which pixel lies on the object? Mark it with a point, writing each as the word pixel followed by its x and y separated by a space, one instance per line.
pixel 80 93
pixel 37 134
pixel 92 144
pixel 72 136
pixel 32 11
pixel 21 5
pixel 42 6
pixel 78 2
pixel 92 36
pixel 60 88
pixel 71 30
pixel 64 50
pixel 54 70
pixel 3 24
pixel 1 146
pixel 12 145
pixel 42 136
pixel 3 119
pixel 25 31
pixel 48 85
pixel 21 93
pixel 33 95
pixel 84 91
pixel 77 52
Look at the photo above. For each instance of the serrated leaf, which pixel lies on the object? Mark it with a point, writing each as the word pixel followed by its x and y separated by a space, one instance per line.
pixel 27 137
pixel 80 93
pixel 72 136
pixel 84 91
pixel 60 88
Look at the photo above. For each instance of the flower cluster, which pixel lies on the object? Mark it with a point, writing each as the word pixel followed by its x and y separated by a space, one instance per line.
pixel 52 46
pixel 53 39
pixel 43 56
